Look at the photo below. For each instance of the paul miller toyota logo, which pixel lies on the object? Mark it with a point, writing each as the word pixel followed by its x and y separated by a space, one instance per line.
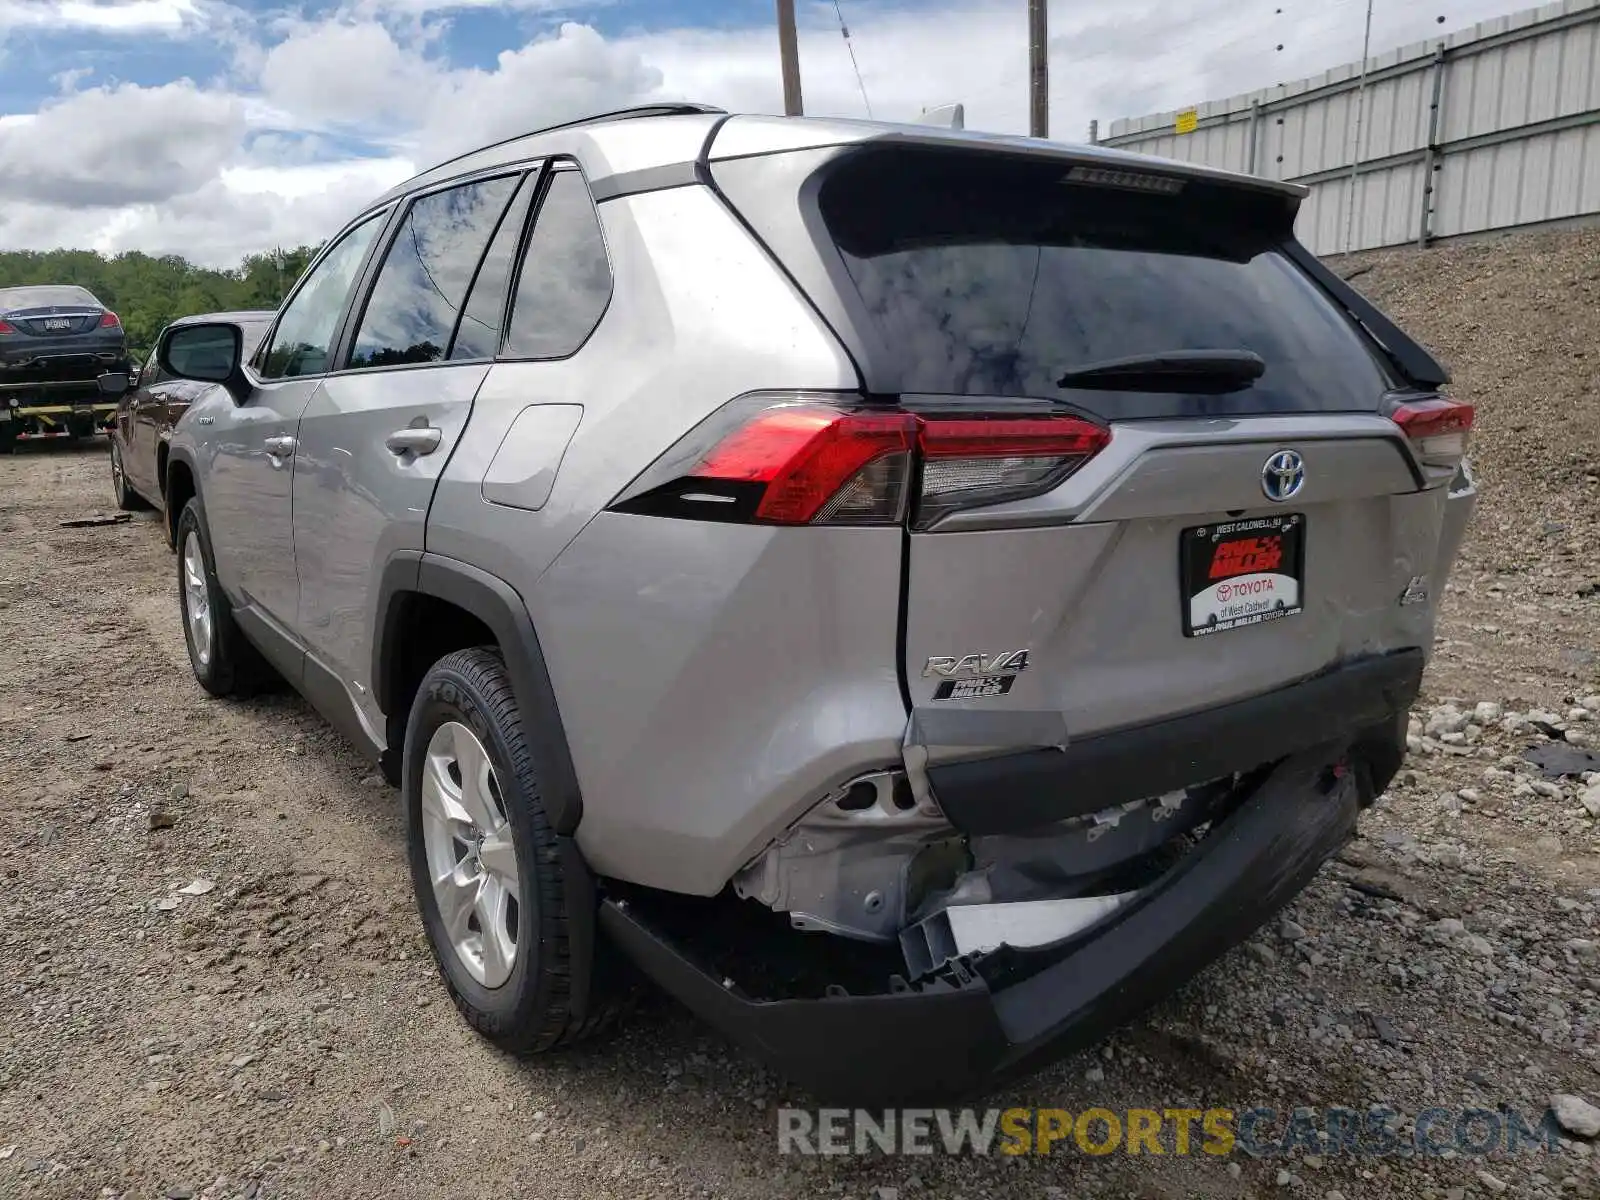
pixel 1283 476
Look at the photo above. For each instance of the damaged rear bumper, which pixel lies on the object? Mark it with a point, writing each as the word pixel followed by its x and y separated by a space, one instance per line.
pixel 1364 700
pixel 990 1017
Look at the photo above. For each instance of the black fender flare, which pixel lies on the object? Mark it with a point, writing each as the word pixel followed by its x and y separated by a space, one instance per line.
pixel 169 518
pixel 498 605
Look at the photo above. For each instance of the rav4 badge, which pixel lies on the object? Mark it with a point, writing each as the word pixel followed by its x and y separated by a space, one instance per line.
pixel 1007 663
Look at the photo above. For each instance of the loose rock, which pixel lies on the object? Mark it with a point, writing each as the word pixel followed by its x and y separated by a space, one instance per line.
pixel 1576 1115
pixel 1590 799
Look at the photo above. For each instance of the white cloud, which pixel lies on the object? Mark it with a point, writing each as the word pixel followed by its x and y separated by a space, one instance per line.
pixel 547 81
pixel 214 173
pixel 421 7
pixel 68 80
pixel 116 16
pixel 306 182
pixel 123 145
pixel 349 73
pixel 241 211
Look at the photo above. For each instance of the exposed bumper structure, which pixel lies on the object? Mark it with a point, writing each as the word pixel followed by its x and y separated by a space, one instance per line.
pixel 1017 792
pixel 993 1016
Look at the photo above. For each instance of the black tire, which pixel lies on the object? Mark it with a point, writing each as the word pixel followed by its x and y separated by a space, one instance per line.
pixel 534 1010
pixel 128 500
pixel 232 666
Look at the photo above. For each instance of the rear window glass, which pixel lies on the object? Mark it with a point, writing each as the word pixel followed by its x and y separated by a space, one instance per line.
pixel 46 296
pixel 993 276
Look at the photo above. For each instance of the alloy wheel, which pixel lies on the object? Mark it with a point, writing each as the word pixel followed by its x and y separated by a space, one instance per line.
pixel 472 860
pixel 196 599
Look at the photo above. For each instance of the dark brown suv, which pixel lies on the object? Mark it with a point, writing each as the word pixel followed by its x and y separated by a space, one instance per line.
pixel 150 408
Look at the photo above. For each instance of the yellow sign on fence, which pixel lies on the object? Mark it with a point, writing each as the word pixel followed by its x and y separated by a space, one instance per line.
pixel 1188 120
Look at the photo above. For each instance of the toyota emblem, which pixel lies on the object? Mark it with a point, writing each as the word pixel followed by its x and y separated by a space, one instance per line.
pixel 1283 476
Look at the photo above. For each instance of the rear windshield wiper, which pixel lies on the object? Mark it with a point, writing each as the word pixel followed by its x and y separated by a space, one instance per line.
pixel 1170 371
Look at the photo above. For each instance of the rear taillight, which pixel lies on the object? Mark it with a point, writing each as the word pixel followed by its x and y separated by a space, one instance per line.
pixel 109 321
pixel 969 461
pixel 823 460
pixel 1438 429
pixel 816 464
pixel 7 327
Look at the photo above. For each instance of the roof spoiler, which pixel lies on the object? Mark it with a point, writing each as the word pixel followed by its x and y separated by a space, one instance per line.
pixel 1415 363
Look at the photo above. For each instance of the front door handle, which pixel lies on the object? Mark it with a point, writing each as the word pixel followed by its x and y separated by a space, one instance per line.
pixel 413 440
pixel 280 447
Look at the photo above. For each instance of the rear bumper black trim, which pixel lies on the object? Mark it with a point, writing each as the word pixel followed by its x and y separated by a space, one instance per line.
pixel 1018 792
pixel 985 1021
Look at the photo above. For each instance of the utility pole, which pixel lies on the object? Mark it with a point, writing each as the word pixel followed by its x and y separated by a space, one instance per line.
pixel 1039 68
pixel 789 51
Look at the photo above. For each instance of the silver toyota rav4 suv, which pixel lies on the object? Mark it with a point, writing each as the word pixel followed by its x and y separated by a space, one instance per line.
pixel 916 596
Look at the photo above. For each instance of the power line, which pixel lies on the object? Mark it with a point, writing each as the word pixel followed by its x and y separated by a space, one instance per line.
pixel 1355 152
pixel 854 66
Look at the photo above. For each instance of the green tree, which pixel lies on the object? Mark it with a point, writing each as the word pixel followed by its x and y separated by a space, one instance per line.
pixel 147 293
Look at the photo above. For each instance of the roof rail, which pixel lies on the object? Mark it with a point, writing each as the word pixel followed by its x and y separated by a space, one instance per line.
pixel 684 109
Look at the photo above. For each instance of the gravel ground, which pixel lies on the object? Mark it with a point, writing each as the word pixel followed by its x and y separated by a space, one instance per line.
pixel 279 1030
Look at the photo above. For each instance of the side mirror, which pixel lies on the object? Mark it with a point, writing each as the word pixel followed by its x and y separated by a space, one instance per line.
pixel 113 383
pixel 207 352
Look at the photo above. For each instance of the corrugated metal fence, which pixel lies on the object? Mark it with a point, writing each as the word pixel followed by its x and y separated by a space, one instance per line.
pixel 1490 128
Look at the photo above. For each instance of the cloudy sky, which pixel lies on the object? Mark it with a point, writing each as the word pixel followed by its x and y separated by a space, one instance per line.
pixel 211 128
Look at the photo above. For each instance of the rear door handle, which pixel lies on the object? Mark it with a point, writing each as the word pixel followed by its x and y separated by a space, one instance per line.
pixel 413 440
pixel 280 447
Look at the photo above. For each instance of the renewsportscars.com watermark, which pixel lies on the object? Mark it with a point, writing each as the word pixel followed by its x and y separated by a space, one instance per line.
pixel 1261 1131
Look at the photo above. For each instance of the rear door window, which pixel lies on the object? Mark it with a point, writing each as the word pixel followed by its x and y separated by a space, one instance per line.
pixel 993 275
pixel 478 335
pixel 417 299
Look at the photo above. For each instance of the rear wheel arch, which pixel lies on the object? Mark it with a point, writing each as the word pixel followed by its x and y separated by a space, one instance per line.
pixel 429 606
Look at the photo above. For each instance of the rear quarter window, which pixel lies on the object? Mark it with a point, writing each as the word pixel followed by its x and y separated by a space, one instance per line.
pixel 565 284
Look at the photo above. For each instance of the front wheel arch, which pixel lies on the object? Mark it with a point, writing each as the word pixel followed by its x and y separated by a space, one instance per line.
pixel 178 486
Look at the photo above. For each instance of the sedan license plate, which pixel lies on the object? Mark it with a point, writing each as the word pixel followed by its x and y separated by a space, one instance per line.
pixel 54 324
pixel 1242 573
